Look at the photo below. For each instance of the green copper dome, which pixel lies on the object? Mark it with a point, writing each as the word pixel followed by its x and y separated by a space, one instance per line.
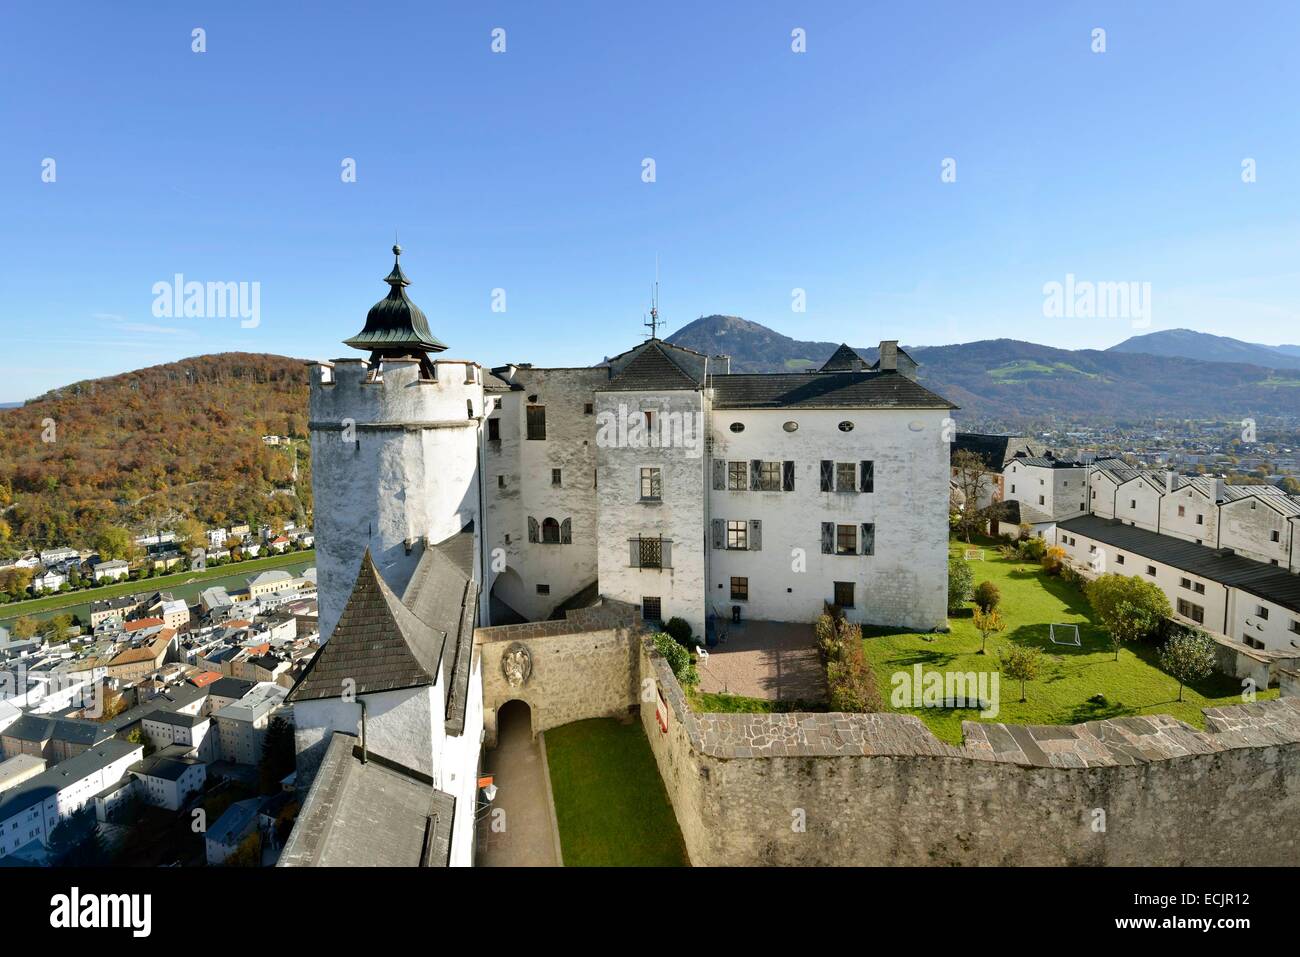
pixel 395 326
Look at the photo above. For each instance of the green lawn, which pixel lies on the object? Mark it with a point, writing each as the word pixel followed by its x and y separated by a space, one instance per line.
pixel 611 806
pixel 51 602
pixel 1070 676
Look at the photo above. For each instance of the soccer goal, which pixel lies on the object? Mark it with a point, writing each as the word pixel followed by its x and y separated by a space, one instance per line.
pixel 1065 635
pixel 974 554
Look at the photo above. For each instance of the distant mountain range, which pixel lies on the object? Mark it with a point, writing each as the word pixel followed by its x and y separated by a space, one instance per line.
pixel 1012 381
pixel 1187 344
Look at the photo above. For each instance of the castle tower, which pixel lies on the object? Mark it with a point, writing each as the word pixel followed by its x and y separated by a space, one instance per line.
pixel 395 441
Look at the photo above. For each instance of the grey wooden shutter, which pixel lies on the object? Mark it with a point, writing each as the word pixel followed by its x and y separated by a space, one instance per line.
pixel 532 529
pixel 787 476
pixel 634 552
pixel 566 532
pixel 828 475
pixel 667 553
pixel 719 533
pixel 868 538
pixel 755 473
pixel 755 535
pixel 828 538
pixel 868 476
pixel 719 474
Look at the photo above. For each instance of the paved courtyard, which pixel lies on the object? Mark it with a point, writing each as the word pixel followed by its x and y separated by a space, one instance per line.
pixel 776 660
pixel 523 793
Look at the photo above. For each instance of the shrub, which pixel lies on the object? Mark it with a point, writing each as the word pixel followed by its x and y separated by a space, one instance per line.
pixel 849 676
pixel 987 596
pixel 678 658
pixel 1054 560
pixel 1031 549
pixel 1188 656
pixel 1130 608
pixel 1021 664
pixel 680 630
pixel 961 584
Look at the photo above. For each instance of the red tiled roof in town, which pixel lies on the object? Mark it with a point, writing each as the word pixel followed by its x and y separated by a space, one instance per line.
pixel 205 678
pixel 140 623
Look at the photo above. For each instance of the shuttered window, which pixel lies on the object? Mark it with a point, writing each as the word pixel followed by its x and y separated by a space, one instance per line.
pixel 867 469
pixel 828 538
pixel 738 535
pixel 737 476
pixel 846 477
pixel 846 540
pixel 537 422
pixel 787 476
pixel 828 475
pixel 868 538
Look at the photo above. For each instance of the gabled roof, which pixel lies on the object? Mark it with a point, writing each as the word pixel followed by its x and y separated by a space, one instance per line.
pixel 823 390
pixel 1264 581
pixel 651 368
pixel 378 645
pixel 996 451
pixel 844 359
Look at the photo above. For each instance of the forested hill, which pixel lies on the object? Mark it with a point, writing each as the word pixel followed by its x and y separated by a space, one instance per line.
pixel 148 448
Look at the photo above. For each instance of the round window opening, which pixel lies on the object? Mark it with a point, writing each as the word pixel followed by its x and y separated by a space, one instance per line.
pixel 791 426
pixel 846 426
pixel 737 426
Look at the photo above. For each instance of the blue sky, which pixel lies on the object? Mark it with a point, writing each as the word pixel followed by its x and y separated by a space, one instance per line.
pixel 522 171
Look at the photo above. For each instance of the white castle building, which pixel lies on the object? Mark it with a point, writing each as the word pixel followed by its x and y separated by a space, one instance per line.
pixel 449 495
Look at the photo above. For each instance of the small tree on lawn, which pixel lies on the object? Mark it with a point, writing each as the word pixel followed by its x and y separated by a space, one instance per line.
pixel 1130 608
pixel 961 584
pixel 987 596
pixel 1021 664
pixel 1188 656
pixel 988 623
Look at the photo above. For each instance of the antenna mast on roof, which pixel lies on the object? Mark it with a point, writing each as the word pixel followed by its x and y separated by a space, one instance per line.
pixel 653 324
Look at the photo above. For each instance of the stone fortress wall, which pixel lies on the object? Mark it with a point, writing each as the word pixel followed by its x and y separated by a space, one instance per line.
pixel 838 789
pixel 841 789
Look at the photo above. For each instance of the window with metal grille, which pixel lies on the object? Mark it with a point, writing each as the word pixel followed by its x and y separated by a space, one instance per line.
pixel 769 476
pixel 651 552
pixel 737 476
pixel 738 534
pixel 651 485
pixel 739 589
pixel 846 540
pixel 844 594
pixel 537 422
pixel 846 477
pixel 650 608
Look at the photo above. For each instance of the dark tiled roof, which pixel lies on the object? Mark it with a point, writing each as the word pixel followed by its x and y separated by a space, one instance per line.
pixel 170 763
pixel 823 390
pixel 1264 581
pixel 995 450
pixel 651 368
pixel 372 814
pixel 48 783
pixel 395 324
pixel 35 727
pixel 378 644
pixel 844 359
pixel 231 687
pixel 177 718
pixel 1043 462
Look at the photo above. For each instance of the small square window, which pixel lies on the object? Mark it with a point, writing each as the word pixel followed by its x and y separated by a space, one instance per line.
pixel 1151 570
pixel 588 409
pixel 739 589
pixel 651 485
pixel 650 608
pixel 844 594
pixel 543 589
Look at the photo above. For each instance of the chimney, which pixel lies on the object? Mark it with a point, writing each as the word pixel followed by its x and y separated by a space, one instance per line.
pixel 1219 490
pixel 888 355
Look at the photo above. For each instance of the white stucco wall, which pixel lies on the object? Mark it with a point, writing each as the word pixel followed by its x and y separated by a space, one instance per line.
pixel 905 582
pixel 412 470
pixel 1198 521
pixel 679 516
pixel 1247 526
